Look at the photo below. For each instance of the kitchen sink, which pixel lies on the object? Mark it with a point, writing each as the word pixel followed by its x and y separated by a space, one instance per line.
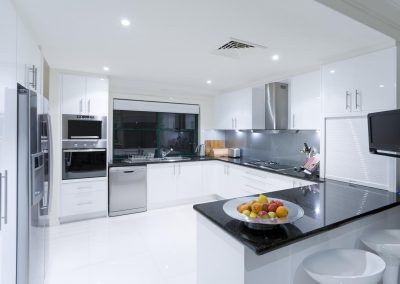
pixel 175 159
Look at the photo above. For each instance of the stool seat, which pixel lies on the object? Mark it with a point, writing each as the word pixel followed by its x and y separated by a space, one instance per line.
pixel 344 266
pixel 384 242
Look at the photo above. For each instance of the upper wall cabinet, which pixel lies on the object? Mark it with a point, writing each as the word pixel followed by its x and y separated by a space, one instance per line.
pixel 84 95
pixel 242 109
pixel 305 101
pixel 360 85
pixel 29 60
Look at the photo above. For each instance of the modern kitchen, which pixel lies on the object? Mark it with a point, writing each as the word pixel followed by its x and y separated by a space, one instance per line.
pixel 199 142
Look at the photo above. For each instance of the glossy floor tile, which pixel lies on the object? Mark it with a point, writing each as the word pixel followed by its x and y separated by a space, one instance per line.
pixel 157 246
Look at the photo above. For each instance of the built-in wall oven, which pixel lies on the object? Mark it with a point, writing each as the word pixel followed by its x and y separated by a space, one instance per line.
pixel 84 159
pixel 84 127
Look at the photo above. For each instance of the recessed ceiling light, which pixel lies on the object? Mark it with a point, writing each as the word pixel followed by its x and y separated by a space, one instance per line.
pixel 106 68
pixel 209 82
pixel 275 57
pixel 332 71
pixel 381 86
pixel 125 22
pixel 101 79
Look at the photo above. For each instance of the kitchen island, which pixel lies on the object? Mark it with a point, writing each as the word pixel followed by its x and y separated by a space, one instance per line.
pixel 336 215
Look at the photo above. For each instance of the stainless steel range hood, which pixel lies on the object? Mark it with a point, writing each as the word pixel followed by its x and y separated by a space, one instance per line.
pixel 276 106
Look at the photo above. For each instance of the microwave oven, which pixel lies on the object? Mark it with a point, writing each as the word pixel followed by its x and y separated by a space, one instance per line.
pixel 384 133
pixel 84 127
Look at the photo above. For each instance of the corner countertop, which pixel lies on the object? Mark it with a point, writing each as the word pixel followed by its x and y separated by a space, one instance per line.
pixel 237 161
pixel 326 205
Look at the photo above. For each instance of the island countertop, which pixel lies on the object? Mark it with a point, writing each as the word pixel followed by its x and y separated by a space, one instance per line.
pixel 326 205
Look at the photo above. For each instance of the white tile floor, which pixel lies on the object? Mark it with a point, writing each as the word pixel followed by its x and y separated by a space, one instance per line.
pixel 157 246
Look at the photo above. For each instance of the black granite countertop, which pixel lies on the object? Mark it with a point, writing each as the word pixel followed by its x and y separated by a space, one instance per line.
pixel 237 161
pixel 326 205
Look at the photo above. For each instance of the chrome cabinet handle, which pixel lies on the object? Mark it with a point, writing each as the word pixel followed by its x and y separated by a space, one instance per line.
pixel 293 121
pixel 347 100
pixel 358 106
pixel 233 123
pixel 80 106
pixel 88 106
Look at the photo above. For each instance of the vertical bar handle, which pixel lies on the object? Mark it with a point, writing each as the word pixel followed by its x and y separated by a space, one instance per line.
pixel 88 104
pixel 233 124
pixel 80 106
pixel 293 121
pixel 358 106
pixel 347 100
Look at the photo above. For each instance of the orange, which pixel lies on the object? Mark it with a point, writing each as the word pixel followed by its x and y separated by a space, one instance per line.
pixel 281 211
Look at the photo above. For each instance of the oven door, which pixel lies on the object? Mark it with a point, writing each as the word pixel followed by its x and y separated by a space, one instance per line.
pixel 84 163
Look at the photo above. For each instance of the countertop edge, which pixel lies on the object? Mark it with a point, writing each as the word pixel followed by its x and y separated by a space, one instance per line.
pixel 305 235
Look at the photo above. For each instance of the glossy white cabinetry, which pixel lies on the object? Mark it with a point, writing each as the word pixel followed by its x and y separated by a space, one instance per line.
pixel 8 142
pixel 241 109
pixel 173 182
pixel 83 199
pixel 176 183
pixel 360 85
pixel 29 59
pixel 84 95
pixel 348 158
pixel 305 101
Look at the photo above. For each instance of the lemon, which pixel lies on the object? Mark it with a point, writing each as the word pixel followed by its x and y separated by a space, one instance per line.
pixel 246 212
pixel 262 199
pixel 253 215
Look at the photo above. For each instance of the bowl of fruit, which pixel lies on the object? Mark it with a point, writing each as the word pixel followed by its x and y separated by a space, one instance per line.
pixel 261 213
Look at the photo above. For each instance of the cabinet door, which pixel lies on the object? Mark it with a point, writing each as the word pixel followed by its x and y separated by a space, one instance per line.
pixel 223 116
pixel 96 96
pixel 242 109
pixel 8 140
pixel 375 81
pixel 210 177
pixel 73 94
pixel 305 101
pixel 161 184
pixel 234 185
pixel 189 180
pixel 338 87
pixel 347 154
pixel 36 57
pixel 23 53
pixel 79 198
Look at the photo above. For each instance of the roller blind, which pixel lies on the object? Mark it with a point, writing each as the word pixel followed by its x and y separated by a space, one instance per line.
pixel 132 105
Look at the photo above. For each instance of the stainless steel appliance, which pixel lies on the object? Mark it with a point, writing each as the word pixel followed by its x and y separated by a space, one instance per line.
pixel 270 165
pixel 127 190
pixel 201 150
pixel 233 152
pixel 32 189
pixel 84 159
pixel 84 127
pixel 276 106
pixel 384 133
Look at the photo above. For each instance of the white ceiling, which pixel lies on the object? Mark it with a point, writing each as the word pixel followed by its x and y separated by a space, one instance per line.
pixel 171 42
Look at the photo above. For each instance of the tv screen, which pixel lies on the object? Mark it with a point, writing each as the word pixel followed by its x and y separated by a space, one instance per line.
pixel 384 131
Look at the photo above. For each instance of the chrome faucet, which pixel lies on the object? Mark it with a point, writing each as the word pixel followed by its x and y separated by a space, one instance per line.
pixel 165 153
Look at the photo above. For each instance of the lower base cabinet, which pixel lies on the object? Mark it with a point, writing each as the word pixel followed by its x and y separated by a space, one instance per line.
pixel 81 200
pixel 175 183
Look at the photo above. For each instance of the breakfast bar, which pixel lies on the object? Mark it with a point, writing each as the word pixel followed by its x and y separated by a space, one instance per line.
pixel 336 215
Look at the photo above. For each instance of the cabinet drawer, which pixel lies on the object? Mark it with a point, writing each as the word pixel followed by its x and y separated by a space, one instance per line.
pixel 83 198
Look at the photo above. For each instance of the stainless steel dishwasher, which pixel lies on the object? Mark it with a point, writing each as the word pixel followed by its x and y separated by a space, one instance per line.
pixel 127 191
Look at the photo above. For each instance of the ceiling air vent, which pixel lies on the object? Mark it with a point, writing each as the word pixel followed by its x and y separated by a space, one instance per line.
pixel 236 48
pixel 235 44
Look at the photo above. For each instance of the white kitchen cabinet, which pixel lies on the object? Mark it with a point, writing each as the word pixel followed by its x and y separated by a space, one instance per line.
pixel 230 183
pixel 360 85
pixel 241 109
pixel 83 199
pixel 173 182
pixel 84 95
pixel 305 101
pixel 189 180
pixel 29 59
pixel 96 96
pixel 161 184
pixel 8 141
pixel 348 158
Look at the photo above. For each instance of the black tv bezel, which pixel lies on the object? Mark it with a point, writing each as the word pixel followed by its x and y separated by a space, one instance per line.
pixel 376 148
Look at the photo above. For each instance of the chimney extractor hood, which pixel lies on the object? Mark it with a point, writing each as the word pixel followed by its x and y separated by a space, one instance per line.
pixel 276 106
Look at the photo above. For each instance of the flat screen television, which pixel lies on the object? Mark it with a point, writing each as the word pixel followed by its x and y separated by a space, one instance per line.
pixel 384 133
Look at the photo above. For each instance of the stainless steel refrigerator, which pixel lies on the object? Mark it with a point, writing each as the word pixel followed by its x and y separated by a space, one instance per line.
pixel 33 190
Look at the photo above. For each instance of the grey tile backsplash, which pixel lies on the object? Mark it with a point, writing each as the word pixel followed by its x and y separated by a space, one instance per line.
pixel 281 147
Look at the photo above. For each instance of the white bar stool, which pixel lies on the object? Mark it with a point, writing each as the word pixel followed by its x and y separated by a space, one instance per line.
pixel 387 244
pixel 344 266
